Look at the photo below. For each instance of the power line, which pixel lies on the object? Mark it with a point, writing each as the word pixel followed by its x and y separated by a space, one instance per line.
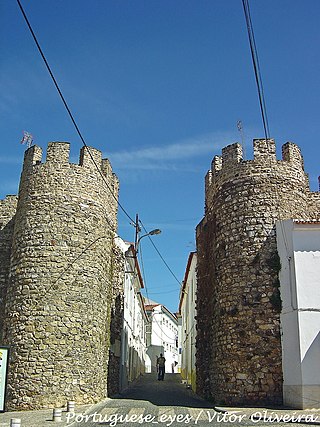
pixel 145 286
pixel 146 290
pixel 164 292
pixel 263 109
pixel 71 263
pixel 81 136
pixel 256 66
pixel 143 272
pixel 68 109
pixel 158 252
pixel 162 331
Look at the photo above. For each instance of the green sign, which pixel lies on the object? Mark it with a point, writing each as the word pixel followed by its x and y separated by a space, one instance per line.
pixel 4 361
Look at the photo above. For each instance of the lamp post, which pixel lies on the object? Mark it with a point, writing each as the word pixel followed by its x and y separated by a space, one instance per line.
pixel 137 238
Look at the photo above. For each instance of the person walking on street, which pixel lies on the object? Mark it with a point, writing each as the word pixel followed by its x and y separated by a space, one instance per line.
pixel 161 361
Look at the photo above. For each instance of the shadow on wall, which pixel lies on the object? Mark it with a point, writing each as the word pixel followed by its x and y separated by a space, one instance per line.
pixel 6 235
pixel 114 365
pixel 259 294
pixel 132 366
pixel 310 363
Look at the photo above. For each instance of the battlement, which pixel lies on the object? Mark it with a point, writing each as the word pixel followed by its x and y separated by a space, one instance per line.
pixel 232 154
pixel 264 152
pixel 216 164
pixel 32 156
pixel 291 153
pixel 58 154
pixel 64 211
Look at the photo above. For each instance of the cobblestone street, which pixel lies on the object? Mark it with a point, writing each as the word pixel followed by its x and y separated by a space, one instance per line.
pixel 169 404
pixel 169 392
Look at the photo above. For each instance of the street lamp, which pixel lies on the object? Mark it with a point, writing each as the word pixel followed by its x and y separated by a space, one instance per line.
pixel 138 229
pixel 151 233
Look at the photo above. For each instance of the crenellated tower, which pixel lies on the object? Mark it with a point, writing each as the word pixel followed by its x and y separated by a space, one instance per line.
pixel 59 291
pixel 238 300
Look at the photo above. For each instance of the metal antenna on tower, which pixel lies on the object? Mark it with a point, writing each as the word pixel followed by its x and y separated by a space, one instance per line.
pixel 27 139
pixel 240 129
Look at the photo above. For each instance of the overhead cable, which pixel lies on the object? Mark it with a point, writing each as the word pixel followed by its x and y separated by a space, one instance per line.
pixel 256 66
pixel 158 252
pixel 68 109
pixel 263 108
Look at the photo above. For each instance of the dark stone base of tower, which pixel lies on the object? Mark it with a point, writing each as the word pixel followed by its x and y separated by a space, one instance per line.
pixel 238 355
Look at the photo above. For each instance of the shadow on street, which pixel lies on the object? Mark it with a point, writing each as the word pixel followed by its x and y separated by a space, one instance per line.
pixel 170 392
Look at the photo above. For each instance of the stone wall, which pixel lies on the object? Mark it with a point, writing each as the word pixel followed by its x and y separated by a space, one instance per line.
pixel 238 299
pixel 57 314
pixel 7 213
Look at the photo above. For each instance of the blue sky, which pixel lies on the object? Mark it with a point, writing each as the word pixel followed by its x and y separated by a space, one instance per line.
pixel 158 86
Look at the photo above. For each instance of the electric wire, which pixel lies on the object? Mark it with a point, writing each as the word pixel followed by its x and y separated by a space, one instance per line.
pixel 161 257
pixel 146 290
pixel 164 292
pixel 69 110
pixel 74 260
pixel 80 134
pixel 254 55
pixel 162 331
pixel 263 109
pixel 256 66
pixel 145 283
pixel 172 340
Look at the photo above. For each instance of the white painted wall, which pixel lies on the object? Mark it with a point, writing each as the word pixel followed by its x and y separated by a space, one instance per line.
pixel 133 338
pixel 164 334
pixel 188 322
pixel 299 251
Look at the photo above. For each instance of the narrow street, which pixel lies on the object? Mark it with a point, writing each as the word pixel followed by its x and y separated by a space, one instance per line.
pixel 169 403
pixel 170 392
pixel 149 401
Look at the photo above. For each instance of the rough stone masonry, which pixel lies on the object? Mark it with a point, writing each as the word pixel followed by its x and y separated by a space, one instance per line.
pixel 238 300
pixel 56 253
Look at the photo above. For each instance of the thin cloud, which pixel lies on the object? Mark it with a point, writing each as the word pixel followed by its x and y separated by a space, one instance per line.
pixel 172 157
pixel 8 160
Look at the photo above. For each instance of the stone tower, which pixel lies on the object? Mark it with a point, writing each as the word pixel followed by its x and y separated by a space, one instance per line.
pixel 57 303
pixel 238 299
pixel 8 208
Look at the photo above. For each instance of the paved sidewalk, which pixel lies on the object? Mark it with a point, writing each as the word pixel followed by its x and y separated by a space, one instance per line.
pixel 39 418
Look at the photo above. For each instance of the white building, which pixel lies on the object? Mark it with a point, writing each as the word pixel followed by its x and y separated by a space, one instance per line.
pixel 187 314
pixel 299 250
pixel 162 337
pixel 133 337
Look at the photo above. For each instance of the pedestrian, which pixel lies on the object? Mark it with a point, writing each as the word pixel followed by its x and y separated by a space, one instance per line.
pixel 161 361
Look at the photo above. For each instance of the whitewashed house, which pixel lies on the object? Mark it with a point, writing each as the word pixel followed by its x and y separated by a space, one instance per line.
pixel 298 244
pixel 135 320
pixel 187 314
pixel 162 337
